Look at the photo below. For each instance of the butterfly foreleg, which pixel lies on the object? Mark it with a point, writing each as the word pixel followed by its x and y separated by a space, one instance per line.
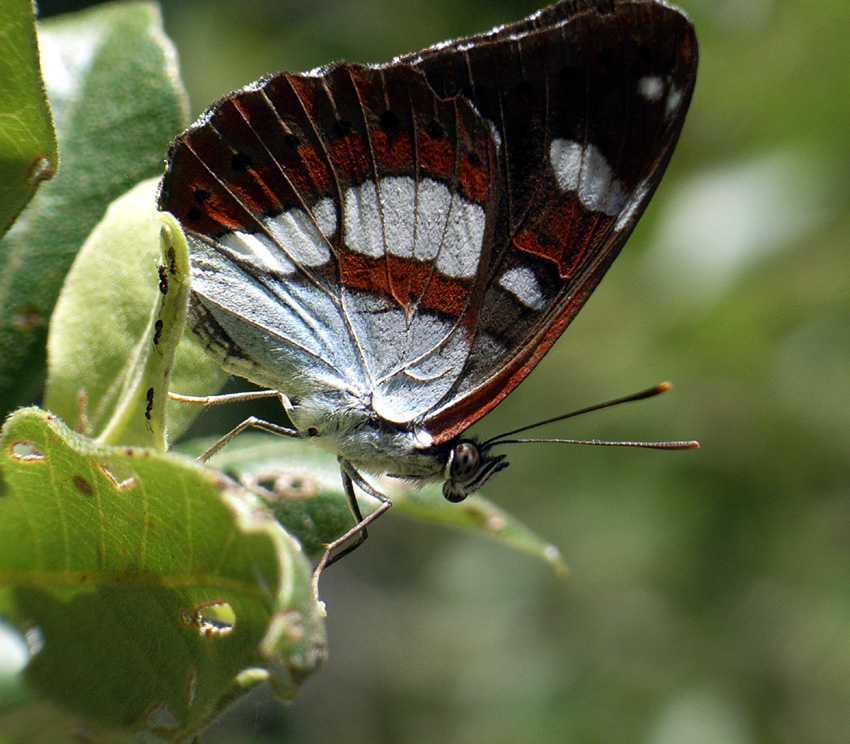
pixel 224 398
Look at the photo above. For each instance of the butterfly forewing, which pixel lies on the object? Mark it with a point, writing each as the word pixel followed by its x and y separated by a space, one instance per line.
pixel 588 100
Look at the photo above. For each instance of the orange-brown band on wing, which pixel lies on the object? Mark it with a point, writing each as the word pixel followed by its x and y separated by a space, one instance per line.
pixel 200 201
pixel 380 276
pixel 564 237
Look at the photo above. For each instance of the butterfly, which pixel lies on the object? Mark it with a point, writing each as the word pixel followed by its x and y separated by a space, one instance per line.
pixel 394 247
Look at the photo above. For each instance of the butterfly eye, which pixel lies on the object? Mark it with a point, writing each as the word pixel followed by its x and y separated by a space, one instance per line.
pixel 469 468
pixel 465 462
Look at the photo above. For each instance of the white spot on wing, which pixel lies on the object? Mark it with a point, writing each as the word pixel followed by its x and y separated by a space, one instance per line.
pixel 421 220
pixel 448 228
pixel 674 98
pixel 362 223
pixel 583 170
pixel 434 203
pixel 398 202
pixel 296 233
pixel 324 212
pixel 651 88
pixel 461 249
pixel 522 283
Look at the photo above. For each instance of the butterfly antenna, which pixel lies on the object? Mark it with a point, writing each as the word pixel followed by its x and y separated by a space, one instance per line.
pixel 678 445
pixel 662 387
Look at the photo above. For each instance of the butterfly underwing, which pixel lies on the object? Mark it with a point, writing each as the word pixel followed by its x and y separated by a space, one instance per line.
pixel 394 247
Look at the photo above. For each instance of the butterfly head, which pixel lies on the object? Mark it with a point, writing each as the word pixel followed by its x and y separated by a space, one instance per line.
pixel 469 467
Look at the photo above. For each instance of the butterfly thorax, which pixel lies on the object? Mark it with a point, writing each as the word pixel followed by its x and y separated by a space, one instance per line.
pixel 372 444
pixel 346 425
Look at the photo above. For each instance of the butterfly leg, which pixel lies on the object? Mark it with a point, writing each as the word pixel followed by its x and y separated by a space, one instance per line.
pixel 253 423
pixel 225 398
pixel 250 423
pixel 358 533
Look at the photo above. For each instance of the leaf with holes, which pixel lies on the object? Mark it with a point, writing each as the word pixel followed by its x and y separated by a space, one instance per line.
pixel 301 485
pixel 149 588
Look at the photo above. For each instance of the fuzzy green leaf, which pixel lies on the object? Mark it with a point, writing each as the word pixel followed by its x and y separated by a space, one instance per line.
pixel 152 590
pixel 111 81
pixel 117 324
pixel 27 140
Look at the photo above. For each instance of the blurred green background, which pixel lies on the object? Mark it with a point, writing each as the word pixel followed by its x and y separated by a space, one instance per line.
pixel 709 595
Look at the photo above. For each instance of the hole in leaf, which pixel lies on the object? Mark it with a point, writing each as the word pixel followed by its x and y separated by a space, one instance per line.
pixel 161 718
pixel 212 618
pixel 41 169
pixel 24 451
pixel 283 485
pixel 118 474
pixel 35 640
pixel 192 685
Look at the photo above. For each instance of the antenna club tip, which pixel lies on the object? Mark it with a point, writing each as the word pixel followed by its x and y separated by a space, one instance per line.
pixel 663 387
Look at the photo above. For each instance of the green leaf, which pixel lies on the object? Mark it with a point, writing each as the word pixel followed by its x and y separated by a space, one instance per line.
pixel 301 484
pixel 27 140
pixel 152 590
pixel 112 84
pixel 112 378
